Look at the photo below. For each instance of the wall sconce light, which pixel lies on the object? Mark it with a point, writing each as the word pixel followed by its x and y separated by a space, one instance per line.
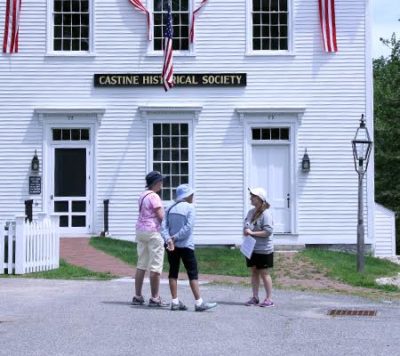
pixel 35 163
pixel 305 163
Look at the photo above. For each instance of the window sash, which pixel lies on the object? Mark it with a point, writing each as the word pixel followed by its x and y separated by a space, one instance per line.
pixel 181 23
pixel 171 154
pixel 269 26
pixel 71 26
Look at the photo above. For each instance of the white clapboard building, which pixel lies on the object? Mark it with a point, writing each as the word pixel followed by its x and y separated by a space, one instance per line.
pixel 260 83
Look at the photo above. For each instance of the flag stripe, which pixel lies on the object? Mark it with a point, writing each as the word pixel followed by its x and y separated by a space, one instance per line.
pixel 11 26
pixel 203 2
pixel 138 5
pixel 6 24
pixel 168 67
pixel 328 24
pixel 333 19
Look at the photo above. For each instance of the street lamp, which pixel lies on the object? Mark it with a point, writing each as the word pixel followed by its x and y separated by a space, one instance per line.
pixel 362 146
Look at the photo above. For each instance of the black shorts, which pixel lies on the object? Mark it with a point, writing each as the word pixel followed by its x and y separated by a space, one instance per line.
pixel 260 261
pixel 189 261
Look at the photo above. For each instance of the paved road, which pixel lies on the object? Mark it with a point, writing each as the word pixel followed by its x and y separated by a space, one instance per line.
pixel 43 317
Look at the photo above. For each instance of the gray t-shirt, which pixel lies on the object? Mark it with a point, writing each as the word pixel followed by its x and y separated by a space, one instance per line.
pixel 264 245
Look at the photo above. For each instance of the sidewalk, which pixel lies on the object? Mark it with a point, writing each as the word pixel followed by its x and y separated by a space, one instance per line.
pixel 78 252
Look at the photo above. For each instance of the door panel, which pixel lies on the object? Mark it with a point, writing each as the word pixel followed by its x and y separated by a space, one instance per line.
pixel 270 170
pixel 70 199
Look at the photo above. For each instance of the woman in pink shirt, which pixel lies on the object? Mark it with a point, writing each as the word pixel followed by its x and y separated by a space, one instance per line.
pixel 150 245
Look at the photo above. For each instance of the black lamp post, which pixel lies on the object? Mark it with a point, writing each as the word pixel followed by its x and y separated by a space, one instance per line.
pixel 362 146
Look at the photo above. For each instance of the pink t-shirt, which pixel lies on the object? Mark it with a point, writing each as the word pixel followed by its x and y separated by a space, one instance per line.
pixel 148 220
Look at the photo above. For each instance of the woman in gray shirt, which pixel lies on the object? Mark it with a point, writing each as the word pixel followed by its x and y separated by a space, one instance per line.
pixel 258 224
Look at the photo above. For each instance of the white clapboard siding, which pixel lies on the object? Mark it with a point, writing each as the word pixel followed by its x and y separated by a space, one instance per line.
pixel 331 88
pixel 385 232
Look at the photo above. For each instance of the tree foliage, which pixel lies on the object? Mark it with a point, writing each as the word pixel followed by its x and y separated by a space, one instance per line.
pixel 387 129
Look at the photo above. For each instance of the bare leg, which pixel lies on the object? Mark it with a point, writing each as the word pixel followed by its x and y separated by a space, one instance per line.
pixel 155 284
pixel 194 285
pixel 267 280
pixel 139 277
pixel 173 287
pixel 255 281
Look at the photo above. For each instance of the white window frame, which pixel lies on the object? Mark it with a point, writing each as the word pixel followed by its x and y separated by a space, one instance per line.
pixel 150 47
pixel 171 115
pixel 249 34
pixel 50 34
pixel 273 118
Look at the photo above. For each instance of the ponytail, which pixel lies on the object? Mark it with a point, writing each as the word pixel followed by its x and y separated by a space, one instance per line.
pixel 259 212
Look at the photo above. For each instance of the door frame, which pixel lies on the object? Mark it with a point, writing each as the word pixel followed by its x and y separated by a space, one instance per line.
pixel 58 120
pixel 288 118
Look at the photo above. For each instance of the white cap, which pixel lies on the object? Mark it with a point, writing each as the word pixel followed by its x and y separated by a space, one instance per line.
pixel 259 192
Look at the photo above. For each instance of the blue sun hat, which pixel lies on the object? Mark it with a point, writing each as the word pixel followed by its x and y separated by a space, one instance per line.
pixel 183 191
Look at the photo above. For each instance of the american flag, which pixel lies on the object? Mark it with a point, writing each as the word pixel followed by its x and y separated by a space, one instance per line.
pixel 11 26
pixel 203 2
pixel 138 5
pixel 328 24
pixel 168 68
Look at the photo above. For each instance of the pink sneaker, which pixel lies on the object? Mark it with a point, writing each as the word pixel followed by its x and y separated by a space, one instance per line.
pixel 267 303
pixel 252 301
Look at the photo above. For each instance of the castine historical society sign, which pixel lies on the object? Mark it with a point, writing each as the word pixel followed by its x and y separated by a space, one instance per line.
pixel 151 80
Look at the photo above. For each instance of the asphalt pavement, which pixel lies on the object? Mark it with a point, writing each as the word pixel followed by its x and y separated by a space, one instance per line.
pixel 53 317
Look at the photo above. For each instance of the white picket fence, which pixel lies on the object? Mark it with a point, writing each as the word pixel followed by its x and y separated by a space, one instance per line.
pixel 27 247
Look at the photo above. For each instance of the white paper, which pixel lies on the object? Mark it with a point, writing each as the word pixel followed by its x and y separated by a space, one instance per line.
pixel 247 246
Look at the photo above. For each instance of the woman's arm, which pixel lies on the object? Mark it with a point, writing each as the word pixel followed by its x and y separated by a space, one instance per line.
pixel 159 213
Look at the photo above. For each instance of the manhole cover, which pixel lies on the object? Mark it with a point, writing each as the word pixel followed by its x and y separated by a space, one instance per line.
pixel 350 312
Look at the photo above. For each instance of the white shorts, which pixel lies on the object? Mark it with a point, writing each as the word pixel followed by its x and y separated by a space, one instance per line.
pixel 150 250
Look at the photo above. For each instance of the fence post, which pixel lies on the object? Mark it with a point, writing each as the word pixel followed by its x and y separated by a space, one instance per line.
pixel 2 247
pixel 55 226
pixel 41 216
pixel 29 210
pixel 106 203
pixel 19 245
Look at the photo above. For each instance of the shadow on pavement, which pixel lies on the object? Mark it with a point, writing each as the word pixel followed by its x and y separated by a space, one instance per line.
pixel 229 303
pixel 128 304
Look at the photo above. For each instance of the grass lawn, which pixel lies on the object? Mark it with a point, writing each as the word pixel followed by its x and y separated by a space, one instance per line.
pixel 343 267
pixel 222 261
pixel 225 261
pixel 65 271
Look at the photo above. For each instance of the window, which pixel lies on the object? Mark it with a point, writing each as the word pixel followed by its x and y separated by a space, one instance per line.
pixel 180 20
pixel 171 155
pixel 71 25
pixel 268 133
pixel 61 134
pixel 270 23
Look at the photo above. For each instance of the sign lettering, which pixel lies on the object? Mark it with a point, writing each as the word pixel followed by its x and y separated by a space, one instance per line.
pixel 192 80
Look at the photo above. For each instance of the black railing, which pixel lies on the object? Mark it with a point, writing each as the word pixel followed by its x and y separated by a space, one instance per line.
pixel 106 203
pixel 28 210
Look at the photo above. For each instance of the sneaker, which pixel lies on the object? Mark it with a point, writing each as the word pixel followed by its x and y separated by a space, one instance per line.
pixel 179 306
pixel 252 301
pixel 157 303
pixel 267 303
pixel 204 306
pixel 137 300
